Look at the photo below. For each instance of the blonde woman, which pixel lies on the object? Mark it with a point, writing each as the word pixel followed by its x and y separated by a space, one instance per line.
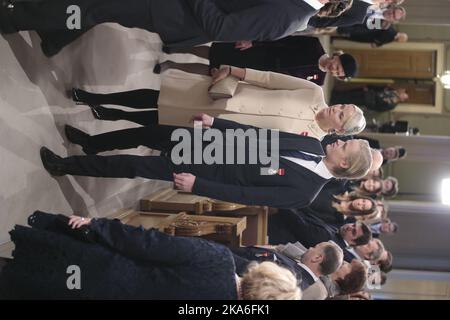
pixel 262 99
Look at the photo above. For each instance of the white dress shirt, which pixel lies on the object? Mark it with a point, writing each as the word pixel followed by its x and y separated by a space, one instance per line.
pixel 318 168
pixel 309 271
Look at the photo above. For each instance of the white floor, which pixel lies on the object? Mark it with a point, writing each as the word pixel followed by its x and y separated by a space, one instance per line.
pixel 34 108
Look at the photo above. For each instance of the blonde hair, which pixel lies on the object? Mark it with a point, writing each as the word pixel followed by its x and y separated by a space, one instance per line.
pixel 356 123
pixel 268 281
pixel 360 163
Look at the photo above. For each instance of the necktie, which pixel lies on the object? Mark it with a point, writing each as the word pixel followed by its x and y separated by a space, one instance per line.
pixel 300 155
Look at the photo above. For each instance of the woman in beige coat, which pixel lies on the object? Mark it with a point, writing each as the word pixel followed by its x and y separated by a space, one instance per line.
pixel 263 99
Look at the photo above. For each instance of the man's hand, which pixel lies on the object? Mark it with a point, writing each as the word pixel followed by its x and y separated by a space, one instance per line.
pixel 243 45
pixel 184 181
pixel 76 222
pixel 206 120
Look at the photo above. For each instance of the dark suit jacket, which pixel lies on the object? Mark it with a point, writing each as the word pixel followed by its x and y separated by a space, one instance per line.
pixel 245 255
pixel 298 225
pixel 355 15
pixel 295 188
pixel 192 22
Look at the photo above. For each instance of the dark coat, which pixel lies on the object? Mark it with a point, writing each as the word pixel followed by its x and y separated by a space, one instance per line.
pixel 125 263
pixel 187 23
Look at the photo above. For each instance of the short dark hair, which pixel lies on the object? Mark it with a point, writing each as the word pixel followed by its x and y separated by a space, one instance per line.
pixel 401 152
pixel 365 237
pixel 386 265
pixel 349 65
pixel 355 280
pixel 395 225
pixel 331 261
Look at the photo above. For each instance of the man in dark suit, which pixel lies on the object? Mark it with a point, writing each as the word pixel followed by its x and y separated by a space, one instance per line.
pixel 299 56
pixel 323 259
pixel 295 183
pixel 309 230
pixel 178 22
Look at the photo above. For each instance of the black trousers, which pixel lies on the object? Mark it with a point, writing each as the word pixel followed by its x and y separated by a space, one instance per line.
pixel 136 99
pixel 51 15
pixel 129 166
pixel 157 137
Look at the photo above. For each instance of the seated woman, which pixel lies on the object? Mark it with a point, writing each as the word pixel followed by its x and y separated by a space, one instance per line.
pixel 379 215
pixel 117 261
pixel 335 209
pixel 262 99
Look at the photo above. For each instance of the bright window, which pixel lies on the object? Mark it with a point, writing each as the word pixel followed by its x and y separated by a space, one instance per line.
pixel 446 191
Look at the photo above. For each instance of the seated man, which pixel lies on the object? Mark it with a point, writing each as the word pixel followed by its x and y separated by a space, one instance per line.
pixel 348 279
pixel 300 174
pixel 384 227
pixel 371 251
pixel 300 226
pixel 308 265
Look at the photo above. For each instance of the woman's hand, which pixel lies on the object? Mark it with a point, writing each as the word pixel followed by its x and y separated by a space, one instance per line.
pixel 76 222
pixel 218 75
pixel 206 120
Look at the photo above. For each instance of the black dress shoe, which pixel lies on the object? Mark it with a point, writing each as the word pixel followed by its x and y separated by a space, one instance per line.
pixel 49 49
pixel 80 96
pixel 52 162
pixel 6 7
pixel 79 137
